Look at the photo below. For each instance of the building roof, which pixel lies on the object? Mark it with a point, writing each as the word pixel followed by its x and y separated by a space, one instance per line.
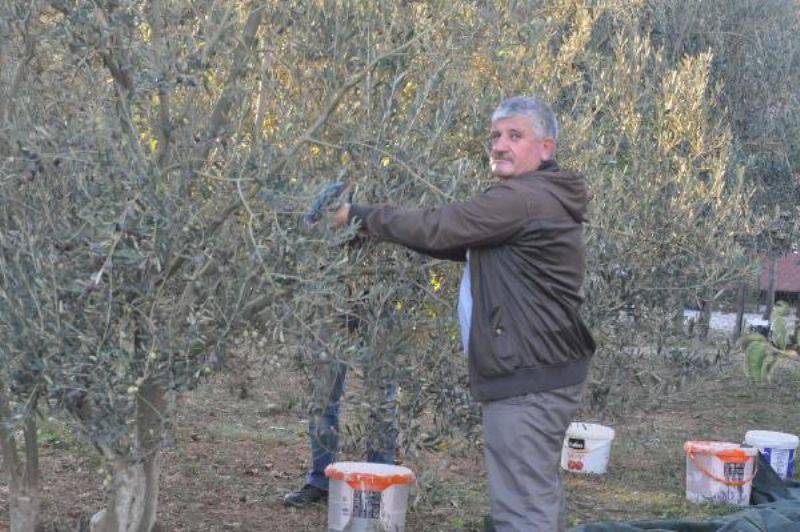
pixel 787 274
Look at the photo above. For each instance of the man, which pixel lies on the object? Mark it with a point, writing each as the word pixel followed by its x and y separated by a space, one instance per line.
pixel 323 428
pixel 528 348
pixel 328 387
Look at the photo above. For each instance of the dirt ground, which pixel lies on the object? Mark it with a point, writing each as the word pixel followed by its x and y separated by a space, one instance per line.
pixel 233 459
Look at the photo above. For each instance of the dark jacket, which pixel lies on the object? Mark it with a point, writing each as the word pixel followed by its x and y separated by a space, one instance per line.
pixel 525 238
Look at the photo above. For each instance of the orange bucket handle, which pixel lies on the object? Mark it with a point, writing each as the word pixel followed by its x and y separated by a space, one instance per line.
pixel 725 481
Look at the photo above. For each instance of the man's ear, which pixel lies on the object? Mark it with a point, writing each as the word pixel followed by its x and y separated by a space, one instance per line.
pixel 549 149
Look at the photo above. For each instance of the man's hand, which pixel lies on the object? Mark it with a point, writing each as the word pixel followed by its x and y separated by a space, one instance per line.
pixel 339 218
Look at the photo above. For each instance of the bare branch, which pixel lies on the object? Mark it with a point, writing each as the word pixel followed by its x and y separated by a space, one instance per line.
pixel 29 41
pixel 220 116
pixel 155 15
pixel 9 445
pixel 224 213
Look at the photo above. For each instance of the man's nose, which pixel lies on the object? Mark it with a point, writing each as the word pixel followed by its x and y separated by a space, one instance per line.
pixel 499 145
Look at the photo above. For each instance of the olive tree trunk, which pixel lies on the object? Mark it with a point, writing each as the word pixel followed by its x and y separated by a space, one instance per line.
pixel 133 500
pixel 740 301
pixel 704 320
pixel 23 478
pixel 770 290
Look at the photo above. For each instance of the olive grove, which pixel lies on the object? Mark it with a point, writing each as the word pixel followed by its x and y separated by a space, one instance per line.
pixel 156 159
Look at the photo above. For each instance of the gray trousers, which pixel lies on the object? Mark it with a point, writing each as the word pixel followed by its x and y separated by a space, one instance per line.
pixel 522 439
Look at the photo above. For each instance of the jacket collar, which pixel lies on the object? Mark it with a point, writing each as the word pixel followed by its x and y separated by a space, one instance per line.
pixel 549 166
pixel 545 166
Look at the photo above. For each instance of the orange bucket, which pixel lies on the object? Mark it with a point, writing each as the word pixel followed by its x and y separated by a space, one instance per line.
pixel 719 472
pixel 367 496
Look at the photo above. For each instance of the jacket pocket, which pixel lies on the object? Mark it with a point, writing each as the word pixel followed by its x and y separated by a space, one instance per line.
pixel 505 348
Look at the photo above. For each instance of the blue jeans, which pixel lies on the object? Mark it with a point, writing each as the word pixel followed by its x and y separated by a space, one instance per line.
pixel 323 426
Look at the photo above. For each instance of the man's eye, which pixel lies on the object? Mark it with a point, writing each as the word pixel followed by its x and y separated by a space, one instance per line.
pixel 515 136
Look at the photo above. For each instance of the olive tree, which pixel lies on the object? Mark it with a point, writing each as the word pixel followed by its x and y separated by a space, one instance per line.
pixel 129 248
pixel 755 64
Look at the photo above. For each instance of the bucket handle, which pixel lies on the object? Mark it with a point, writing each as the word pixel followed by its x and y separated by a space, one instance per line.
pixel 736 483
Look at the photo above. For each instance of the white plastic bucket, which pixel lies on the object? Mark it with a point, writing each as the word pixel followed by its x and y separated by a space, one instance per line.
pixel 366 497
pixel 587 447
pixel 719 472
pixel 778 449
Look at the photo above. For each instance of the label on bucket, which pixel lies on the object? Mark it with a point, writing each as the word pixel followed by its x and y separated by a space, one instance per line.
pixel 366 504
pixel 720 472
pixel 576 443
pixel 734 472
pixel 585 454
pixel 575 463
pixel 781 460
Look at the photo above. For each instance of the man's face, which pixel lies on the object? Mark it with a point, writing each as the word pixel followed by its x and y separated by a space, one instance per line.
pixel 515 147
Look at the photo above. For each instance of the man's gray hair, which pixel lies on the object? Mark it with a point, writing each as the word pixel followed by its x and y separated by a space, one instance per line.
pixel 545 124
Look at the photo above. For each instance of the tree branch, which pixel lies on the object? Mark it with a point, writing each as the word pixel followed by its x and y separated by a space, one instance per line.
pixel 220 116
pixel 223 214
pixel 7 102
pixel 155 16
pixel 31 477
pixel 9 446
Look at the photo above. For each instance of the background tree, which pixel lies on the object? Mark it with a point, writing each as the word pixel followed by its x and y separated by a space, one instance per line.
pixel 755 64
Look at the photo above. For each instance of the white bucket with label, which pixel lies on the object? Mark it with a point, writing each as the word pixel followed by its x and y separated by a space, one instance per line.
pixel 720 472
pixel 778 449
pixel 364 497
pixel 587 447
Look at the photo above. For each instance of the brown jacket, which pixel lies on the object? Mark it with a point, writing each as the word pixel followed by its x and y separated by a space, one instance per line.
pixel 525 238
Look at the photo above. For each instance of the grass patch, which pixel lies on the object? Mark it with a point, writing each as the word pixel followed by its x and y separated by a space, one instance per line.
pixel 269 435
